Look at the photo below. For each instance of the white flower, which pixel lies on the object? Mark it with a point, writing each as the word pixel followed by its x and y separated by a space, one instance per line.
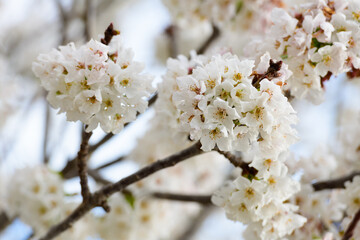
pixel 220 104
pixel 351 196
pixel 96 84
pixel 36 196
pixel 330 59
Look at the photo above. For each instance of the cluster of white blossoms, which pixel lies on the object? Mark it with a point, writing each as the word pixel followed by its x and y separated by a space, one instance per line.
pixel 95 83
pixel 241 13
pixel 228 103
pixel 36 196
pixel 317 40
pixel 260 200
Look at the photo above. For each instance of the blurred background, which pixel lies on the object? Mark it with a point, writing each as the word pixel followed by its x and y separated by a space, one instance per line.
pixel 31 131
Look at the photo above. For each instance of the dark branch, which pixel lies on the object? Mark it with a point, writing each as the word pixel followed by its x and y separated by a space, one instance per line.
pixel 46 133
pixel 69 171
pixel 196 223
pixel 271 73
pixel 202 199
pixel 5 220
pixel 350 230
pixel 88 14
pixel 110 163
pixel 82 165
pixel 215 35
pixel 100 196
pixel 171 33
pixel 238 162
pixel 334 183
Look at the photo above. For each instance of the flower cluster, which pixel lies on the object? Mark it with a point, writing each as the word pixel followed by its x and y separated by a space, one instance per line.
pixel 95 83
pixel 317 40
pixel 36 196
pixel 221 104
pixel 259 200
pixel 239 12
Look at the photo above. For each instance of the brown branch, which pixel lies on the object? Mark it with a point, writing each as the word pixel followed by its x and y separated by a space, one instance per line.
pixel 334 183
pixel 99 197
pixel 202 199
pixel 46 133
pixel 110 163
pixel 215 35
pixel 82 165
pixel 238 162
pixel 171 33
pixel 196 223
pixel 5 220
pixel 350 229
pixel 88 14
pixel 69 170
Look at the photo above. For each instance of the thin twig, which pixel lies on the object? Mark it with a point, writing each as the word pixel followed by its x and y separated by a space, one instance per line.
pixel 88 14
pixel 69 172
pixel 196 223
pixel 238 162
pixel 202 199
pixel 64 21
pixel 110 163
pixel 171 33
pixel 334 183
pixel 215 35
pixel 82 165
pixel 46 133
pixel 99 197
pixel 350 230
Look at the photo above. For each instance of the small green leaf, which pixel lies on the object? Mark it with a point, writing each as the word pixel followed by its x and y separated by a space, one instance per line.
pixel 239 5
pixel 284 56
pixel 316 44
pixel 130 198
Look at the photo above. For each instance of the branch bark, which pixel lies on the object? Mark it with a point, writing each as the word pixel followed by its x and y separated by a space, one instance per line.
pixel 99 197
pixel 5 220
pixel 215 35
pixel 350 230
pixel 202 199
pixel 334 183
pixel 82 165
pixel 238 162
pixel 69 170
pixel 46 133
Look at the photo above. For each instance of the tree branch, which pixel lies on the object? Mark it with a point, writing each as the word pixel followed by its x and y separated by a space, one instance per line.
pixel 215 35
pixel 238 162
pixel 334 183
pixel 350 230
pixel 171 33
pixel 46 133
pixel 196 223
pixel 5 220
pixel 69 170
pixel 82 165
pixel 105 165
pixel 88 14
pixel 202 199
pixel 100 196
